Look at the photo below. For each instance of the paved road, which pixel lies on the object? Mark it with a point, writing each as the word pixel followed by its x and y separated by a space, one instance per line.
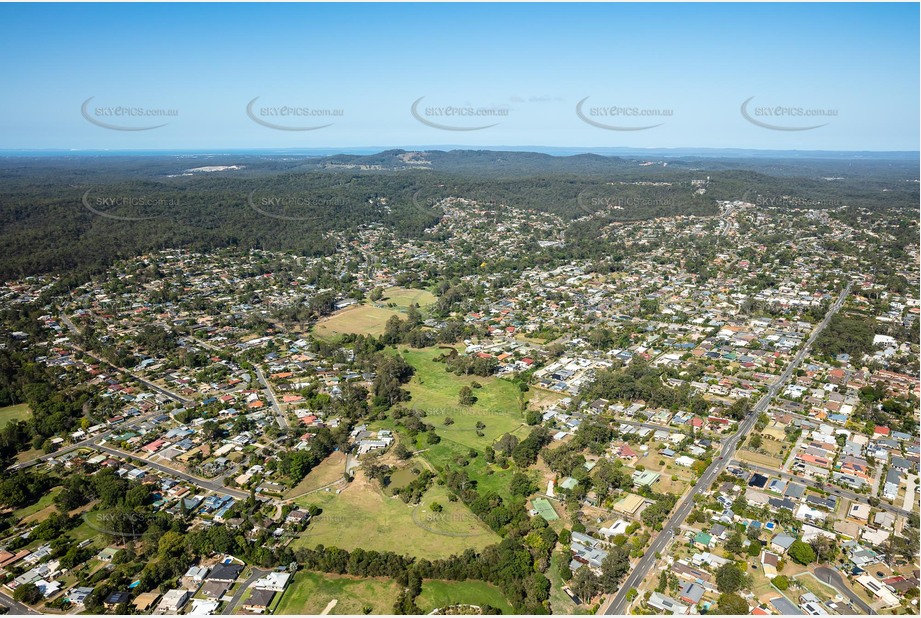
pixel 271 396
pixel 834 579
pixel 155 387
pixel 618 604
pixel 257 573
pixel 835 490
pixel 17 608
pixel 90 442
pixel 200 482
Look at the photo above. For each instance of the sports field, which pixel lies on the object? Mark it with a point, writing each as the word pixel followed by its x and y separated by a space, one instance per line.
pixel 545 509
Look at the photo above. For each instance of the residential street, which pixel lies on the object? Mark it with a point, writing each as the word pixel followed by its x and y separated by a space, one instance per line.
pixel 618 604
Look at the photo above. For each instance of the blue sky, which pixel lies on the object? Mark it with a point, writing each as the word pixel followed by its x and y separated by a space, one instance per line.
pixel 691 66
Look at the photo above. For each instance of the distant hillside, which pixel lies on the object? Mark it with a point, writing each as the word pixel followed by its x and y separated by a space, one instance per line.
pixel 79 213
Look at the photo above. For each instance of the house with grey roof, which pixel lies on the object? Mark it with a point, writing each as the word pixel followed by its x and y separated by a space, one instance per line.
pixel 666 604
pixel 891 485
pixel 691 593
pixel 782 542
pixel 785 607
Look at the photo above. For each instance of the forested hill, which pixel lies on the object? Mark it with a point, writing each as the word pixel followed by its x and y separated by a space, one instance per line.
pixel 77 214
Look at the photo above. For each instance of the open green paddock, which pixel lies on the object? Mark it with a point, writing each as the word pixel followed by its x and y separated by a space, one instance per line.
pixel 362 516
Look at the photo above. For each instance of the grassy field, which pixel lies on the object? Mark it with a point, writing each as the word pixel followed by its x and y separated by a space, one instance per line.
pixel 665 484
pixel 447 452
pixel 404 297
pixel 328 471
pixel 19 412
pixel 758 458
pixel 309 593
pixel 38 511
pixel 29 455
pixel 362 516
pixel 435 390
pixel 437 593
pixel 358 319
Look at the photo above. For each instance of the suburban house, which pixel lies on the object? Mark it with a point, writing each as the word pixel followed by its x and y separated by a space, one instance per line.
pixel 259 600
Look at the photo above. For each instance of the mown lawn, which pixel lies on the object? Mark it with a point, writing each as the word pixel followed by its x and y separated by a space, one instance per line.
pixel 438 593
pixel 19 412
pixel 309 593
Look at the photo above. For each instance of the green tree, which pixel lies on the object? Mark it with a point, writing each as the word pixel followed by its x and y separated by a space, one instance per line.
pixel 730 578
pixel 27 593
pixel 613 568
pixel 732 605
pixel 465 397
pixel 801 553
pixel 585 584
pixel 782 582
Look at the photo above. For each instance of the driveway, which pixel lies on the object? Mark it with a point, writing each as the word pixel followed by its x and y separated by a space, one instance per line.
pixel 257 573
